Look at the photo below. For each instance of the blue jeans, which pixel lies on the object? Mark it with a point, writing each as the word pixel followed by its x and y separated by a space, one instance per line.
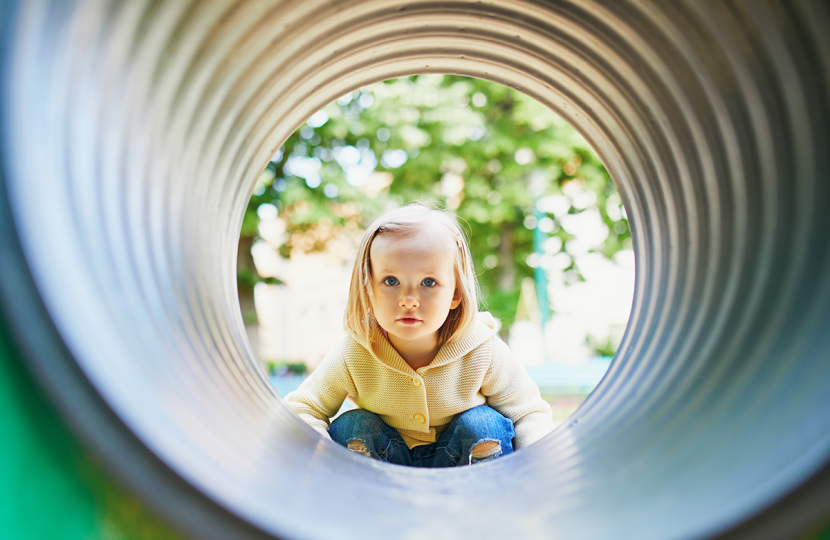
pixel 365 432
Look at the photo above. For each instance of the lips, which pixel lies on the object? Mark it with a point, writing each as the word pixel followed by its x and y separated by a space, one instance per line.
pixel 409 320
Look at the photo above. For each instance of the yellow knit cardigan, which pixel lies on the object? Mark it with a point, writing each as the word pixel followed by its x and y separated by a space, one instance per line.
pixel 476 370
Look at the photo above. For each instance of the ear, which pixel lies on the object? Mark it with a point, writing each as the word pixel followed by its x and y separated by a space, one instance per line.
pixel 456 299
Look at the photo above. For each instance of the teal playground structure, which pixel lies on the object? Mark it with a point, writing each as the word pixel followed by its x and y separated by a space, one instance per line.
pixel 132 137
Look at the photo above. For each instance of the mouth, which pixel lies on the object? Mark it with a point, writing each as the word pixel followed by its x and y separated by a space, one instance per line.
pixel 408 320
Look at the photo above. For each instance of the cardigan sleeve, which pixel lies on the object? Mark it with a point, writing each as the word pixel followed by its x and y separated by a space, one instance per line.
pixel 320 396
pixel 510 390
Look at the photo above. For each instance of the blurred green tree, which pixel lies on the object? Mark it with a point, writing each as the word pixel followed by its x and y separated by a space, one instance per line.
pixel 502 161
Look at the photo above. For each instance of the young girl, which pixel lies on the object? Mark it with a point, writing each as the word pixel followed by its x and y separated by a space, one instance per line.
pixel 434 384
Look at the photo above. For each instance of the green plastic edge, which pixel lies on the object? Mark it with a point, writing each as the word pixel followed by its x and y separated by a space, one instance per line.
pixel 50 487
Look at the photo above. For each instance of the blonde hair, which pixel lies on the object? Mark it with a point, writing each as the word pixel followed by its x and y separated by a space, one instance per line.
pixel 410 219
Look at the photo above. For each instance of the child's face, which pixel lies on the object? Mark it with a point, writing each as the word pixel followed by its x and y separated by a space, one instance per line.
pixel 414 287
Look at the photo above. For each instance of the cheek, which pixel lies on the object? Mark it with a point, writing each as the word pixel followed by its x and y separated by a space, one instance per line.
pixel 376 300
pixel 381 299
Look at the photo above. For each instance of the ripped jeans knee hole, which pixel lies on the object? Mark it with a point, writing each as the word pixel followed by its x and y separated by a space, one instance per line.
pixel 359 447
pixel 484 450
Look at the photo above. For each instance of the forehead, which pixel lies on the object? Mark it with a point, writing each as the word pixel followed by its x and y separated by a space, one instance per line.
pixel 425 248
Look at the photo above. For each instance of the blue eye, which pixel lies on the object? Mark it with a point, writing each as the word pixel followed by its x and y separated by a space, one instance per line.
pixel 429 282
pixel 391 281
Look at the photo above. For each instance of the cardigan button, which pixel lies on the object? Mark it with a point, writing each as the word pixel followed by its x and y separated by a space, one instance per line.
pixel 416 382
pixel 420 418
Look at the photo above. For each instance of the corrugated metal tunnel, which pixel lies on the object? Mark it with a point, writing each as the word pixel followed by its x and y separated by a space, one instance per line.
pixel 133 133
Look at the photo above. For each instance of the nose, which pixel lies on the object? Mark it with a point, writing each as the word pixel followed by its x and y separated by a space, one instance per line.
pixel 408 301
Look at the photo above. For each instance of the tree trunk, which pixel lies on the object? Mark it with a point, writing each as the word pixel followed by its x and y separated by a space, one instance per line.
pixel 245 290
pixel 507 268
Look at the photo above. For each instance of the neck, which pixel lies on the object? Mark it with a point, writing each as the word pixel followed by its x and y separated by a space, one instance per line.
pixel 417 355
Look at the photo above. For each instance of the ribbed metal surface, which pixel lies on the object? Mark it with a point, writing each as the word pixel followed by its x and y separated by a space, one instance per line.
pixel 134 131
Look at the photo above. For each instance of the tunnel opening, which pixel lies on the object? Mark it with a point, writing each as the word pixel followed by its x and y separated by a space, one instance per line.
pixel 550 239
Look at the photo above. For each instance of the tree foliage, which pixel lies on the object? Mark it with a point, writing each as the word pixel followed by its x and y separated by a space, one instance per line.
pixel 503 162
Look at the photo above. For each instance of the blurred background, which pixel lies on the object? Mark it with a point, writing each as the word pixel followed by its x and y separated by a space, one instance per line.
pixel 548 232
